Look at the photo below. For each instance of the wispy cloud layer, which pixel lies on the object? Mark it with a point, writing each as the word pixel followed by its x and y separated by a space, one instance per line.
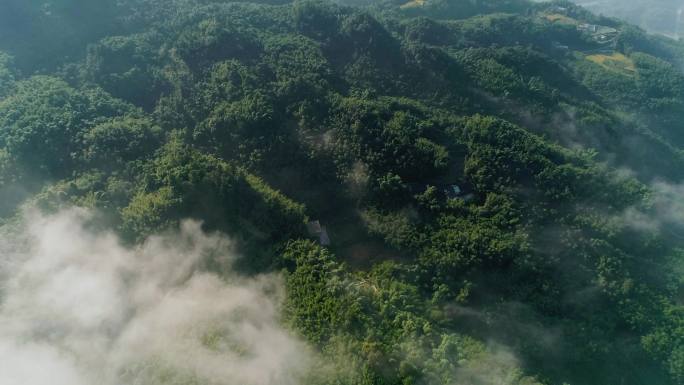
pixel 78 308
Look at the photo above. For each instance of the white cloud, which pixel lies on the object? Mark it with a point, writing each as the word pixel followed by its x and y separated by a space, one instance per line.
pixel 664 212
pixel 77 307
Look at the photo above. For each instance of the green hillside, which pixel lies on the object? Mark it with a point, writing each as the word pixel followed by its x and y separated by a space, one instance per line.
pixel 500 181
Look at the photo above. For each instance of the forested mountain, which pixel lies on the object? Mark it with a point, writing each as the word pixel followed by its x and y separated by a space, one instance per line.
pixel 453 192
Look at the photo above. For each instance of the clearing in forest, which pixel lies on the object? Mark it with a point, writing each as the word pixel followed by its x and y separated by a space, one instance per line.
pixel 561 19
pixel 413 4
pixel 616 62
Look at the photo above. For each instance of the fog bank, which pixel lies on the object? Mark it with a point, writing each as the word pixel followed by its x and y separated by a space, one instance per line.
pixel 78 308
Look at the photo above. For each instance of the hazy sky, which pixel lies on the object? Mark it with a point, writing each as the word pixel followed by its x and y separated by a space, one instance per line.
pixel 662 16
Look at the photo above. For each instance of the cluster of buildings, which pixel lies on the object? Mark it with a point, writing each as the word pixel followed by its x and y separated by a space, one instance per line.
pixel 605 37
pixel 600 34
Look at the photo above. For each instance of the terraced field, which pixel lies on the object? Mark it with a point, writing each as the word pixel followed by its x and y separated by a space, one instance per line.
pixel 561 19
pixel 413 4
pixel 616 62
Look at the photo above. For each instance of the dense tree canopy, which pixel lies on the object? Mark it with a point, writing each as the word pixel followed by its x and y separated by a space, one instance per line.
pixel 490 174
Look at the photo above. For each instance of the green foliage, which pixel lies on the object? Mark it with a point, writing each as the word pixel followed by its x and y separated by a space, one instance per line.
pixel 44 122
pixel 241 129
pixel 6 74
pixel 182 182
pixel 127 68
pixel 318 303
pixel 388 139
pixel 444 9
pixel 122 140
pixel 481 170
pixel 148 212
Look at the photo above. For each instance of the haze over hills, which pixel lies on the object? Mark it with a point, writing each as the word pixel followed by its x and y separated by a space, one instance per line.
pixel 209 192
pixel 658 16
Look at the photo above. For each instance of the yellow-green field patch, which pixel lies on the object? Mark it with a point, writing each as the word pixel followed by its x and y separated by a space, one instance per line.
pixel 413 4
pixel 561 19
pixel 616 62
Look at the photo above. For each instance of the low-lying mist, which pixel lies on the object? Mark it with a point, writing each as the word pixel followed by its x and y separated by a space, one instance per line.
pixel 77 307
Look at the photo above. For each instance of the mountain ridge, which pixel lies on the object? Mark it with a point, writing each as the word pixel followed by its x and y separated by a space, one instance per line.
pixel 501 182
